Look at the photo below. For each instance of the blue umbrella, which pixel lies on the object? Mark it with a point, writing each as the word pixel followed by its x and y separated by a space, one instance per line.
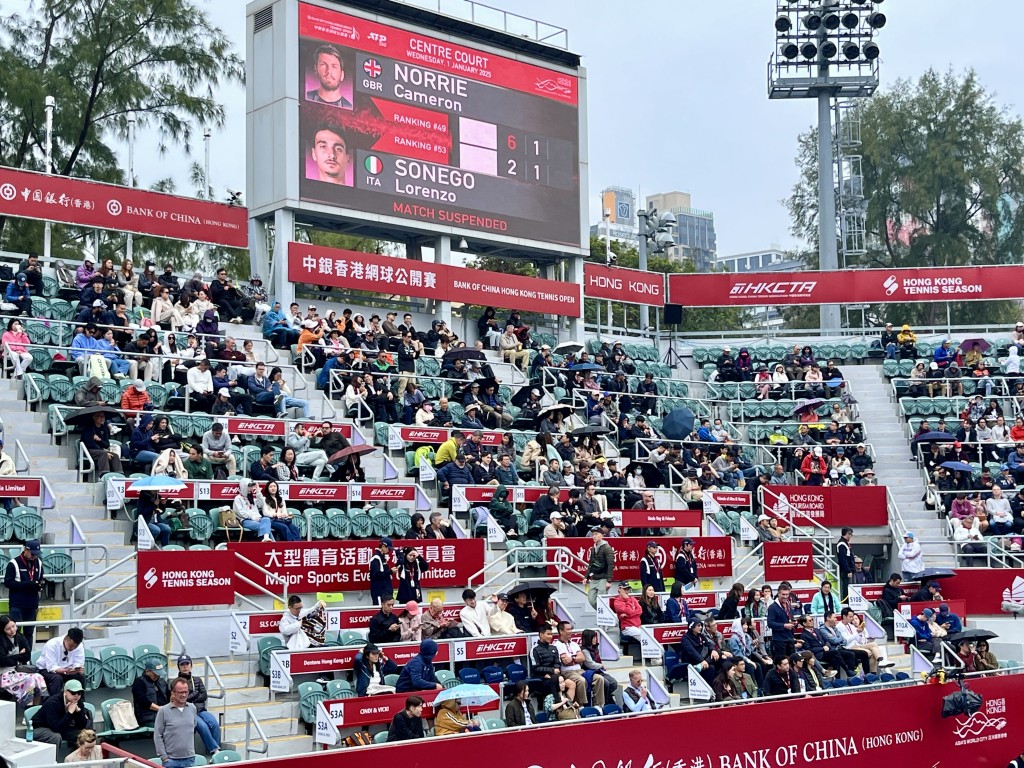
pixel 957 466
pixel 935 437
pixel 587 367
pixel 678 424
pixel 157 483
pixel 470 694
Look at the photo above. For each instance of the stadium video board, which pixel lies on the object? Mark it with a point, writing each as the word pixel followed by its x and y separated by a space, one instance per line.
pixel 436 133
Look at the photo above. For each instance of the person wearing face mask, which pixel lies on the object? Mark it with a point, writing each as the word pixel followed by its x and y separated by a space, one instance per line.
pixel 635 479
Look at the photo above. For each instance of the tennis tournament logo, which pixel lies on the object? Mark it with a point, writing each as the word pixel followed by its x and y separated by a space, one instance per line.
pixel 372 68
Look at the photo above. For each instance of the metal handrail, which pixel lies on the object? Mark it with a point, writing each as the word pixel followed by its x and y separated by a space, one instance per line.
pixel 104 572
pixel 283 597
pixel 19 454
pixel 335 383
pixel 252 722
pixel 787 515
pixel 567 559
pixel 86 466
pixel 172 632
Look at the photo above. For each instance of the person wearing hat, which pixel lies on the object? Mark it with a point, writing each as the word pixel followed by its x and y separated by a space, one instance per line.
pixel 18 295
pixel 922 630
pixel 471 417
pixel 928 592
pixel 814 467
pixel 889 342
pixel 500 620
pixel 96 437
pixel 410 623
pixel 911 557
pixel 600 566
pixel 556 528
pixel 23 578
pixel 62 716
pixel 907 341
pixel 382 572
pixel 207 725
pixel 628 611
pixel 369 668
pixel 686 564
pixel 150 692
pixel 650 569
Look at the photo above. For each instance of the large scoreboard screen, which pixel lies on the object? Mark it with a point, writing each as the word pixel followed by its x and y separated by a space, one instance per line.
pixel 400 124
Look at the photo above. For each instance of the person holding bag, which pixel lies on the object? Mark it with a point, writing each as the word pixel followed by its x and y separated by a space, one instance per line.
pixel 290 625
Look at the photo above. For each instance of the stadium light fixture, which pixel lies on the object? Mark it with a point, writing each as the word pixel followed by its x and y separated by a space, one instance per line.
pixel 810 35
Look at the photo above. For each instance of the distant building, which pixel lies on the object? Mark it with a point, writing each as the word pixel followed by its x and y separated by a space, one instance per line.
pixel 620 203
pixel 695 229
pixel 767 260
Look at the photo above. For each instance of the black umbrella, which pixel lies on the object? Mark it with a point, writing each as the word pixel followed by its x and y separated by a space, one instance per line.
pixel 935 437
pixel 520 398
pixel 590 429
pixel 85 415
pixel 565 409
pixel 972 635
pixel 464 353
pixel 678 424
pixel 585 367
pixel 934 573
pixel 651 474
pixel 533 588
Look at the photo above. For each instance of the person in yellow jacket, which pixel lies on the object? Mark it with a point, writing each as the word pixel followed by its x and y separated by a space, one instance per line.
pixel 449 449
pixel 449 721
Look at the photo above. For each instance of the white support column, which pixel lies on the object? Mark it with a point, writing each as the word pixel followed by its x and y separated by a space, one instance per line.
pixel 284 233
pixel 443 255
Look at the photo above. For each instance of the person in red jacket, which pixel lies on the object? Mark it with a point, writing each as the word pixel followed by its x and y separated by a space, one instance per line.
pixel 627 608
pixel 814 467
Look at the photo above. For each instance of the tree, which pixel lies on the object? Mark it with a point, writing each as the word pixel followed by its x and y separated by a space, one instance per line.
pixel 103 61
pixel 943 169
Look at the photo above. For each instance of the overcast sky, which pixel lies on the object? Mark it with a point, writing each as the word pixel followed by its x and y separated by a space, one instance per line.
pixel 678 95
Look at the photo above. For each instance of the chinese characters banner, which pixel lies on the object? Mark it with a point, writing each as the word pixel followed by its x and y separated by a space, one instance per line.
pixel 913 734
pixel 30 195
pixel 334 566
pixel 340 268
pixel 713 553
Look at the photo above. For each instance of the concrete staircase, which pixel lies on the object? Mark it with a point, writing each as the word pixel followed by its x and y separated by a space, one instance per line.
pixel 893 465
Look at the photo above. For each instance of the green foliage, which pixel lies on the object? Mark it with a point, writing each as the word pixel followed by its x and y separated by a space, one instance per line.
pixel 104 61
pixel 698 320
pixel 523 267
pixel 943 169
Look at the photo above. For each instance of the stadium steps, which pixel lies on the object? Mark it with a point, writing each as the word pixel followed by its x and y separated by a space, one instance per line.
pixel 893 467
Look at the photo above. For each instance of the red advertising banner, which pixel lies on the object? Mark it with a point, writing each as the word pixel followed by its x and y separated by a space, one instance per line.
pixel 265 623
pixel 420 49
pixel 713 553
pixel 16 487
pixel 30 195
pixel 664 518
pixel 437 435
pixel 986 589
pixel 855 506
pixel 914 735
pixel 788 561
pixel 730 498
pixel 340 268
pixel 957 606
pixel 339 659
pixel 376 710
pixel 359 618
pixel 628 286
pixel 276 427
pixel 334 566
pixel 168 579
pixel 849 286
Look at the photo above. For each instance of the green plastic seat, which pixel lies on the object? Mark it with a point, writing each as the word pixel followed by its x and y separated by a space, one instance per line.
pixel 351 637
pixel 119 670
pixel 144 653
pixel 61 389
pixel 310 695
pixel 201 526
pixel 113 733
pixel 361 522
pixel 341 524
pixel 28 524
pixel 264 647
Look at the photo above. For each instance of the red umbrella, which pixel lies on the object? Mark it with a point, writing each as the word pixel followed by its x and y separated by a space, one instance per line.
pixel 352 450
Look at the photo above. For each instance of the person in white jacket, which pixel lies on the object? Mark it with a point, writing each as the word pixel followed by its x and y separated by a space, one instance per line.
pixel 474 615
pixel 911 557
pixel 290 625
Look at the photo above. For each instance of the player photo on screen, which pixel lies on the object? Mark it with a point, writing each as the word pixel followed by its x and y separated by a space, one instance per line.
pixel 329 154
pixel 327 75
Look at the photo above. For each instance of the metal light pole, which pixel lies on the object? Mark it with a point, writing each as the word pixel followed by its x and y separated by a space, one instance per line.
pixel 50 103
pixel 129 244
pixel 643 213
pixel 207 186
pixel 608 257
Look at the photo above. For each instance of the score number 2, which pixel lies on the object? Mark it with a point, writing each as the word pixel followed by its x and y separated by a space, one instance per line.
pixel 522 161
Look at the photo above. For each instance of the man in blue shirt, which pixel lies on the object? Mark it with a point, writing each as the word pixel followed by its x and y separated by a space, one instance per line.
pixel 948 620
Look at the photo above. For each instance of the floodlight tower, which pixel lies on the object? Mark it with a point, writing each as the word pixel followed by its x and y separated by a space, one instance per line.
pixel 825 50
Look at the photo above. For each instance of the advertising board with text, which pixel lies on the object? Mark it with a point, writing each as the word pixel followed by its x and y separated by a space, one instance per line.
pixel 29 195
pixel 788 561
pixel 336 566
pixel 436 133
pixel 375 710
pixel 713 553
pixel 627 286
pixel 339 268
pixel 171 579
pixel 861 506
pixel 891 726
pixel 848 286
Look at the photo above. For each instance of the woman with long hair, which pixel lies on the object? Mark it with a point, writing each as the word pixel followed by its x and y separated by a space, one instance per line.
pixel 27 688
pixel 280 518
pixel 15 344
pixel 755 607
pixel 128 284
pixel 650 607
pixel 590 645
pixel 731 605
